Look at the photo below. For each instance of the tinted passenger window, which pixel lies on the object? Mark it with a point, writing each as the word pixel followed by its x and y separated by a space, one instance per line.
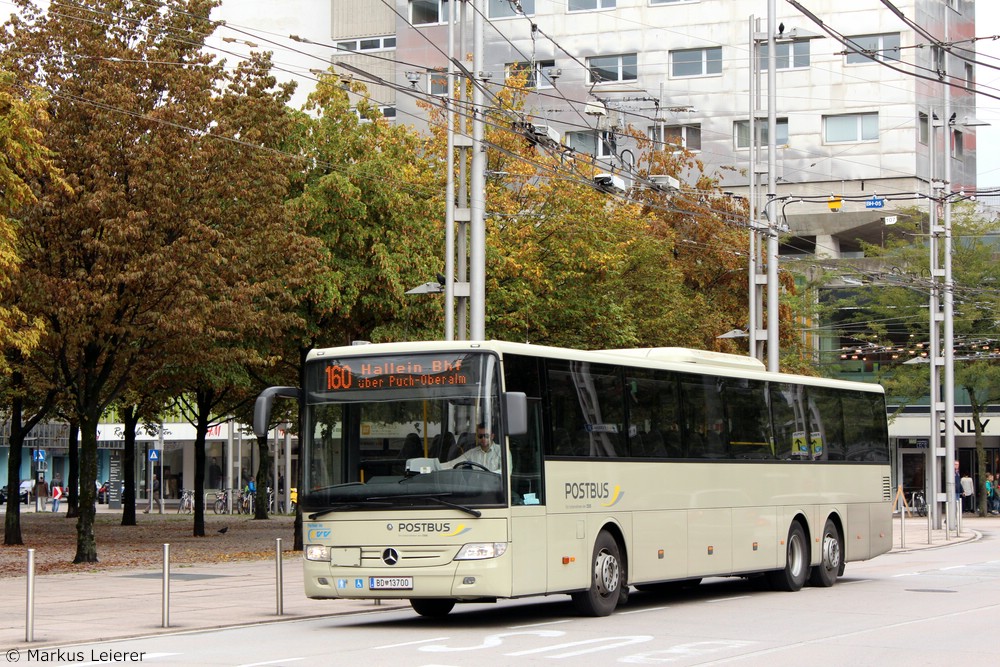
pixel 587 407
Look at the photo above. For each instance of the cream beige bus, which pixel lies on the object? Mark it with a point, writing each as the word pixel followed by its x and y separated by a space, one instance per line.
pixel 645 468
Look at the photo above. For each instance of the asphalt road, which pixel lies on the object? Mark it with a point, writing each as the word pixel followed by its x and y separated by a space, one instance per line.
pixel 929 607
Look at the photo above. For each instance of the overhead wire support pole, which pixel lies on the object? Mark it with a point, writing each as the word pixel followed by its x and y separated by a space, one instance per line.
pixel 934 408
pixel 949 301
pixel 753 263
pixel 477 183
pixel 449 224
pixel 772 238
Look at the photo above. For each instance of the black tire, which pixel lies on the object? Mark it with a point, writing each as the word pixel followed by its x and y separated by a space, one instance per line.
pixel 796 571
pixel 607 579
pixel 220 506
pixel 432 607
pixel 831 557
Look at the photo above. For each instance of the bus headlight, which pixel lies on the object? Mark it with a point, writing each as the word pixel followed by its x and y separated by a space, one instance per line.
pixel 481 550
pixel 317 552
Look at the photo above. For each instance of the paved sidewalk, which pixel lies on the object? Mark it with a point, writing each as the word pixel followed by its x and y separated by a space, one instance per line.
pixel 101 606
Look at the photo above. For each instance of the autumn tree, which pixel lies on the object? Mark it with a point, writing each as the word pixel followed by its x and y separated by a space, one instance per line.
pixel 571 264
pixel 126 265
pixel 28 396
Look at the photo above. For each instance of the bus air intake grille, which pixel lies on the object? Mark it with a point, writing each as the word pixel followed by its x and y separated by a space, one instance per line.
pixel 407 556
pixel 886 489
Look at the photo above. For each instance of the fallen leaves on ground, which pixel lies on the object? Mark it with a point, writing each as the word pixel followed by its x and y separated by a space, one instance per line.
pixel 53 537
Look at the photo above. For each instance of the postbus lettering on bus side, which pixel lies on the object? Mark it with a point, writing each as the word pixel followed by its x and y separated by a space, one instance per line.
pixel 587 490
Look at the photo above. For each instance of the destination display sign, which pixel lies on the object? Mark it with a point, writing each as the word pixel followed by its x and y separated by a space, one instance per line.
pixel 395 372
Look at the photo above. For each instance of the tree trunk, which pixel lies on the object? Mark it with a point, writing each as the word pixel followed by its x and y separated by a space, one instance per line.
pixel 130 417
pixel 19 429
pixel 12 522
pixel 86 543
pixel 263 468
pixel 73 481
pixel 205 400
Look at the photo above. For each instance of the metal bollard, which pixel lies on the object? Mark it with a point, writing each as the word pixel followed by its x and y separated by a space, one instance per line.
pixel 279 592
pixel 902 530
pixel 29 619
pixel 166 585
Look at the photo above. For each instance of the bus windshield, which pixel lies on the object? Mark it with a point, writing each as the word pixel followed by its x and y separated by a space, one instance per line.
pixel 400 431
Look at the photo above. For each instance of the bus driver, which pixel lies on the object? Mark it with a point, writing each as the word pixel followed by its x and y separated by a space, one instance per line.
pixel 486 453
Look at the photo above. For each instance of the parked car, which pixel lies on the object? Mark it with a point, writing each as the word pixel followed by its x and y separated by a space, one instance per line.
pixel 26 487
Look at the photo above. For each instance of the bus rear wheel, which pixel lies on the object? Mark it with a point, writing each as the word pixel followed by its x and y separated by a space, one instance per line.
pixel 607 579
pixel 796 569
pixel 432 607
pixel 832 557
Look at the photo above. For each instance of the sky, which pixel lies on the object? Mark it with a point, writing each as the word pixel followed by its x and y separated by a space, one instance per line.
pixel 988 138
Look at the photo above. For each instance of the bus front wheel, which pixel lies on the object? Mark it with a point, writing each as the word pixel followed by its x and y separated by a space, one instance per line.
pixel 796 569
pixel 432 607
pixel 832 557
pixel 607 579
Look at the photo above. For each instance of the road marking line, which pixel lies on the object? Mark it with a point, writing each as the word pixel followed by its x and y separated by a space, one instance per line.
pixel 419 641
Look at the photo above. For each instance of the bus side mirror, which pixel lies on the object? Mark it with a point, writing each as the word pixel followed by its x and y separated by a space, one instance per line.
pixel 262 407
pixel 517 412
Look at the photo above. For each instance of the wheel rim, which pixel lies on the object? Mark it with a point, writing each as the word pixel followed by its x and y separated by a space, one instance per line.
pixel 796 556
pixel 607 572
pixel 831 552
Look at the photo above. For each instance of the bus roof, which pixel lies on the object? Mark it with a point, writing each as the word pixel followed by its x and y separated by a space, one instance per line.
pixel 669 358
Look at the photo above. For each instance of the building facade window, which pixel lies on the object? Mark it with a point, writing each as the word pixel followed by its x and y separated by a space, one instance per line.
pixel 613 68
pixel 677 136
pixel 864 48
pixel 502 9
pixel 428 12
pixel 787 55
pixel 368 44
pixel 696 62
pixel 537 72
pixel 848 128
pixel 600 144
pixel 957 145
pixel 591 5
pixel 741 133
pixel 437 82
pixel 923 128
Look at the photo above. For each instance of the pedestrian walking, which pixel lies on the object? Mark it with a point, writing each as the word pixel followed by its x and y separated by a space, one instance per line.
pixel 57 494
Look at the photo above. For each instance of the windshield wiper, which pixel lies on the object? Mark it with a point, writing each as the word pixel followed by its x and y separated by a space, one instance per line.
pixel 344 506
pixel 433 497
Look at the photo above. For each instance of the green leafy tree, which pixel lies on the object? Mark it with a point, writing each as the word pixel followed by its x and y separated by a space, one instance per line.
pixel 374 203
pixel 888 320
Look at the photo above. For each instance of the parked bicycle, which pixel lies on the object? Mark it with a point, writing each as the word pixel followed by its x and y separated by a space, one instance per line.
pixel 245 502
pixel 918 503
pixel 186 504
pixel 222 501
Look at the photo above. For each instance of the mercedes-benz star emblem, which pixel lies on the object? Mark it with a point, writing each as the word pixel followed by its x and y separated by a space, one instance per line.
pixel 390 556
